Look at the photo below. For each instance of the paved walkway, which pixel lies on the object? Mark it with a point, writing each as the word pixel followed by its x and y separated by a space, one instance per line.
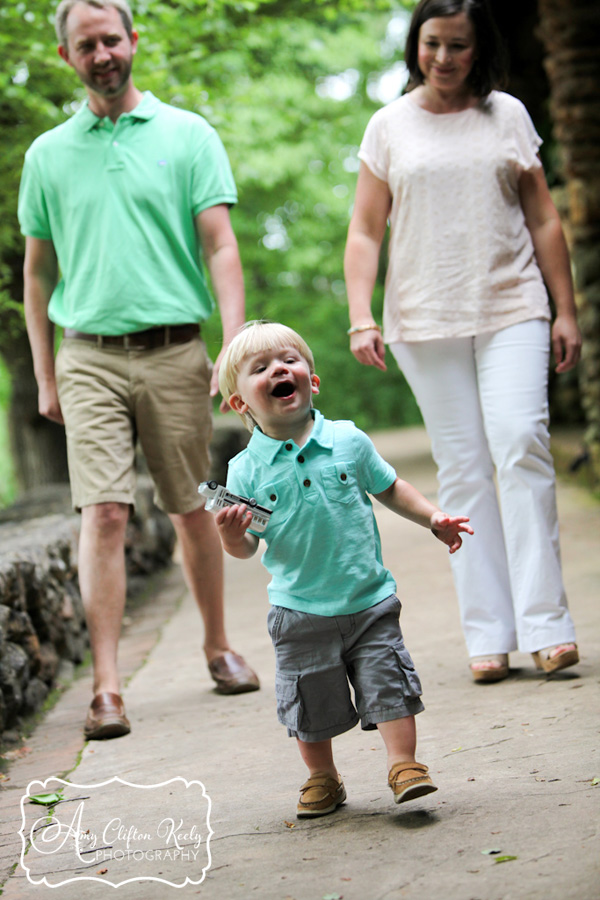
pixel 515 762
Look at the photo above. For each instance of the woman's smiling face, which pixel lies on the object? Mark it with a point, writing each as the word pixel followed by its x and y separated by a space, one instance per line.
pixel 447 51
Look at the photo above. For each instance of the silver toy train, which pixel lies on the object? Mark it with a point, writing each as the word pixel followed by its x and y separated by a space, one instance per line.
pixel 218 496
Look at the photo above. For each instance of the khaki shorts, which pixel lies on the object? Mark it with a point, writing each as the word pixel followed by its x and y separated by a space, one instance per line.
pixel 111 398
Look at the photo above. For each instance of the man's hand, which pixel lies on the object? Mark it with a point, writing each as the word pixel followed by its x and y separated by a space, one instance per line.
pixel 48 402
pixel 214 382
pixel 448 529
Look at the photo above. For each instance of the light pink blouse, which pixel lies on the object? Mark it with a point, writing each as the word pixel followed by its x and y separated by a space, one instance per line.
pixel 461 259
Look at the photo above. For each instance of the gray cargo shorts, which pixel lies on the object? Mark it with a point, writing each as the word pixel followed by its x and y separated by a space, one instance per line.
pixel 319 657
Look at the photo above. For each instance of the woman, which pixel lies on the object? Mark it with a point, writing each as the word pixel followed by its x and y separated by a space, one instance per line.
pixel 453 165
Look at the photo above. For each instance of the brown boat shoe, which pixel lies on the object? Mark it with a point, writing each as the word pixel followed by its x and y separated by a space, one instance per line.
pixel 320 795
pixel 106 718
pixel 409 780
pixel 232 674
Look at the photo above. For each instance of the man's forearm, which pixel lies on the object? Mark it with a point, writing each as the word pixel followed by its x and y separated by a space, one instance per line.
pixel 40 275
pixel 40 330
pixel 228 283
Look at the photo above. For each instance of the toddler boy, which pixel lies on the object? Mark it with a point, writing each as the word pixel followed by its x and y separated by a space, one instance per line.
pixel 334 616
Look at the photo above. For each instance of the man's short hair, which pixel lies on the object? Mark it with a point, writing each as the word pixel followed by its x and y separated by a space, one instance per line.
pixel 253 338
pixel 65 6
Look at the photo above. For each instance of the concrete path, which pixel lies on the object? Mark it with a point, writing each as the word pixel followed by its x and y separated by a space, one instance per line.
pixel 515 818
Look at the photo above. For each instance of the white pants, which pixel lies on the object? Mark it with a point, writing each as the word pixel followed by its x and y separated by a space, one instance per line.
pixel 485 407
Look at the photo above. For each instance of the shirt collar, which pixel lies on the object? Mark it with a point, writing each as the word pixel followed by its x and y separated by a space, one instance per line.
pixel 267 448
pixel 146 109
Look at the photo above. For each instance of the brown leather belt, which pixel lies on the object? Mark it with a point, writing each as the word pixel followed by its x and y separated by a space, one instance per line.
pixel 140 340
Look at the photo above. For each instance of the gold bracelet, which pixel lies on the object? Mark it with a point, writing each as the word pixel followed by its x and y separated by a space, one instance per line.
pixel 372 326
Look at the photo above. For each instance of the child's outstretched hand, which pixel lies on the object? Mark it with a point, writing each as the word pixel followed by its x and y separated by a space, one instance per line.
pixel 448 529
pixel 233 523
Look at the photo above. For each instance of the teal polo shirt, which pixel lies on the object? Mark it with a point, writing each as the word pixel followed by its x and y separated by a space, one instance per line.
pixel 323 547
pixel 118 201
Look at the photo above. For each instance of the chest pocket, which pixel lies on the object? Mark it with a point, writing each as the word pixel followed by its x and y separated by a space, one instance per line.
pixel 339 482
pixel 280 496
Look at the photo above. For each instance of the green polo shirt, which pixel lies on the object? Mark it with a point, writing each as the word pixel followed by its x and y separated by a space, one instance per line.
pixel 323 547
pixel 118 201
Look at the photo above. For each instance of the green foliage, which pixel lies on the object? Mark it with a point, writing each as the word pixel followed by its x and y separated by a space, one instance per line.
pixel 7 479
pixel 260 71
pixel 33 87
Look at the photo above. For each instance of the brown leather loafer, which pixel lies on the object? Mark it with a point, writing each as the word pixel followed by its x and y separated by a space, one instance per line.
pixel 320 795
pixel 409 780
pixel 232 674
pixel 106 718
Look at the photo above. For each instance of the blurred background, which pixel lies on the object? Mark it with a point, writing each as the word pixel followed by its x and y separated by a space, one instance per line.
pixel 290 86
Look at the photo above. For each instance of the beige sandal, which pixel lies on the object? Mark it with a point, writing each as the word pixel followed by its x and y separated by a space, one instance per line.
pixel 490 667
pixel 551 659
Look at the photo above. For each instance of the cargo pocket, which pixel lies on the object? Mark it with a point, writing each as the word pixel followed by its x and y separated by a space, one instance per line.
pixel 287 693
pixel 410 678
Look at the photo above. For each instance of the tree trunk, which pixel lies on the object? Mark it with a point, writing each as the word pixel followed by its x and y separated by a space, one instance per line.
pixel 38 445
pixel 570 30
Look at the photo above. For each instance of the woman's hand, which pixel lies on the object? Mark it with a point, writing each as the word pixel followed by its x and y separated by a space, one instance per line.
pixel 368 348
pixel 566 342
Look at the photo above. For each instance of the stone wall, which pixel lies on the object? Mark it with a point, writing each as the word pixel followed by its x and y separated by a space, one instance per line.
pixel 42 624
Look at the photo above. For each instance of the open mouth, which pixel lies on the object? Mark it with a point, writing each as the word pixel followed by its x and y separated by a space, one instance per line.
pixel 283 389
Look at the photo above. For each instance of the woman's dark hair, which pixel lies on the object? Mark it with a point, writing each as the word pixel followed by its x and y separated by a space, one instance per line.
pixel 490 67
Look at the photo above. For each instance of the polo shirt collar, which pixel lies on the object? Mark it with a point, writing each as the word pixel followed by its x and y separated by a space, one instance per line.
pixel 146 109
pixel 267 448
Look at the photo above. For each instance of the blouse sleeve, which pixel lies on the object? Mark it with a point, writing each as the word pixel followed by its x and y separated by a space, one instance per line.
pixel 374 149
pixel 525 141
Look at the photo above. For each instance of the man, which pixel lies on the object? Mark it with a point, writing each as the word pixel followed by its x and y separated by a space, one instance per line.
pixel 126 198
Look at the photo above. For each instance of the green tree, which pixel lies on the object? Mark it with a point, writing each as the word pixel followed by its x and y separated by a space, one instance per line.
pixel 290 87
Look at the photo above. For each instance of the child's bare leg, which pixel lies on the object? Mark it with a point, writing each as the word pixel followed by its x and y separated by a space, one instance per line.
pixel 318 756
pixel 400 739
pixel 407 778
pixel 324 790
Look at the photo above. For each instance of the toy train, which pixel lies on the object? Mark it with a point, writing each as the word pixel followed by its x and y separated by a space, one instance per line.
pixel 218 496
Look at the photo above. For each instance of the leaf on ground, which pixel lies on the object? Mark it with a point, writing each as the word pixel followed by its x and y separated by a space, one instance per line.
pixel 288 824
pixel 332 896
pixel 506 858
pixel 45 799
pixel 595 780
pixel 491 852
pixel 101 871
pixel 455 749
pixel 19 753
